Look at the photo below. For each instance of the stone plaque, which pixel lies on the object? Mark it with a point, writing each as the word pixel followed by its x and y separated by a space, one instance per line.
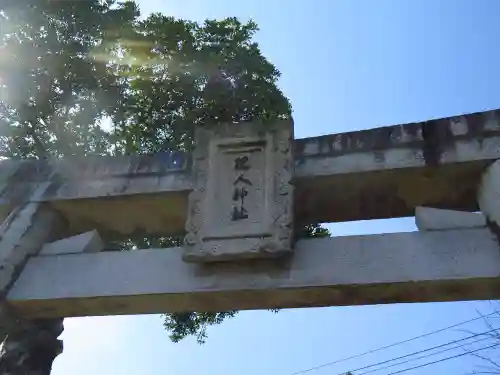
pixel 241 204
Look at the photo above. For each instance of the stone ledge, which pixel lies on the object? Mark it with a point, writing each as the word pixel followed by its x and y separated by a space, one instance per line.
pixel 429 219
pixel 370 174
pixel 432 266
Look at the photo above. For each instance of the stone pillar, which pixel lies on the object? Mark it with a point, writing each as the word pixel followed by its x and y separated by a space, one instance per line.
pixel 31 348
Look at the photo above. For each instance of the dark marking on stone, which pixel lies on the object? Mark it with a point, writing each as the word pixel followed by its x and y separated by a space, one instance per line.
pixel 396 134
pixel 24 181
pixel 325 145
pixel 144 164
pixel 412 129
pixel 298 150
pixel 379 156
pixel 359 141
pixel 157 164
pixel 437 137
pixel 496 114
pixel 431 156
pixel 56 183
pixel 31 171
pixel 476 123
pixel 346 142
pixel 382 138
pixel 494 228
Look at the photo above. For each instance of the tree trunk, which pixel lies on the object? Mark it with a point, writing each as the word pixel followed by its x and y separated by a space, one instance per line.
pixel 31 349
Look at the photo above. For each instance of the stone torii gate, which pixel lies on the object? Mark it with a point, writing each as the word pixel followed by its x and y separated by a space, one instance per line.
pixel 237 199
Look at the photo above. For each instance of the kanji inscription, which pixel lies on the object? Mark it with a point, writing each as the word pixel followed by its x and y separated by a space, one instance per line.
pixel 241 204
pixel 239 211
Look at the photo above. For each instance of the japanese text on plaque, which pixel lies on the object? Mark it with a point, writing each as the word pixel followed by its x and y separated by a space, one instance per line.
pixel 240 191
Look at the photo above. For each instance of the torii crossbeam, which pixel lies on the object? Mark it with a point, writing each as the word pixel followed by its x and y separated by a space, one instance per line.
pixel 379 173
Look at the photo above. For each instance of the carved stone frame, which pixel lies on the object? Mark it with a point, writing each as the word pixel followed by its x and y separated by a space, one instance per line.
pixel 279 165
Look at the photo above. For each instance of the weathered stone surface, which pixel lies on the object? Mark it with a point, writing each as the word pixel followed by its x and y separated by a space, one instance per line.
pixel 151 190
pixel 432 266
pixel 370 174
pixel 386 172
pixel 89 242
pixel 428 219
pixel 91 176
pixel 32 348
pixel 241 206
pixel 489 196
pixel 23 234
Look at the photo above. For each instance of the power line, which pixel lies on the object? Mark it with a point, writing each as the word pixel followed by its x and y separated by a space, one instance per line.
pixel 443 359
pixel 421 351
pixel 420 357
pixel 392 345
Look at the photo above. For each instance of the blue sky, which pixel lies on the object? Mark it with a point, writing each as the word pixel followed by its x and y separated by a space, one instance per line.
pixel 346 65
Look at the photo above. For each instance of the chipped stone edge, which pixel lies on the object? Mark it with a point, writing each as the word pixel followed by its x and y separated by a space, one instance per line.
pixel 488 197
pixel 433 219
pixel 88 242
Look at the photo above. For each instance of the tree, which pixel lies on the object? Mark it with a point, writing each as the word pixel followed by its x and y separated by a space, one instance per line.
pixel 53 93
pixel 194 74
pixel 185 75
pixel 154 80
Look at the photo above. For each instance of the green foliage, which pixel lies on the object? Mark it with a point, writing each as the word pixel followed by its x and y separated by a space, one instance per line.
pixel 185 75
pixel 195 324
pixel 314 231
pixel 69 67
pixel 53 94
